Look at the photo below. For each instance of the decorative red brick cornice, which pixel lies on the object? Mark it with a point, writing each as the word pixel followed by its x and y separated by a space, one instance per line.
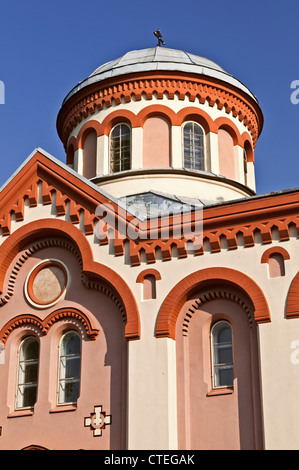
pixel 93 98
pixel 229 225
pixel 44 325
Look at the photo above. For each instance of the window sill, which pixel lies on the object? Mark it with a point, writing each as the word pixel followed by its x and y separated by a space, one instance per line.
pixel 63 408
pixel 20 413
pixel 220 391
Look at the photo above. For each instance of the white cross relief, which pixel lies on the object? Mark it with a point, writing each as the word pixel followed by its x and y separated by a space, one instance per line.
pixel 97 421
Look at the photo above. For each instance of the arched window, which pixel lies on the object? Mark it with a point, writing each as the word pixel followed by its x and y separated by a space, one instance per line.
pixel 120 148
pixel 245 166
pixel 194 151
pixel 222 355
pixel 27 373
pixel 149 287
pixel 69 368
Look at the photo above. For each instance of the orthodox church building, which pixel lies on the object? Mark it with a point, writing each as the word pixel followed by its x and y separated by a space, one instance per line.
pixel 149 298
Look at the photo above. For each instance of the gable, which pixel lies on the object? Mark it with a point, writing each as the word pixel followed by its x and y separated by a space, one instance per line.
pixel 44 181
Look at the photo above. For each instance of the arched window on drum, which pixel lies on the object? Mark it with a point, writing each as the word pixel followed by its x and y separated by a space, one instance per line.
pixel 120 148
pixel 193 146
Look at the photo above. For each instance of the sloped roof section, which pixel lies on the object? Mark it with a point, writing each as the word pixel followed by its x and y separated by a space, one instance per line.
pixel 159 59
pixel 44 180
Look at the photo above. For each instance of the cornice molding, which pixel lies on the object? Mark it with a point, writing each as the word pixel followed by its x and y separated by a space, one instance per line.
pixel 136 86
pixel 226 226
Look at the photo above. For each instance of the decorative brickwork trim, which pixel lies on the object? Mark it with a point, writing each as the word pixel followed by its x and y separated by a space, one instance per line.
pixel 228 225
pixel 34 447
pixel 84 131
pixel 215 294
pixel 175 119
pixel 158 110
pixel 115 90
pixel 38 229
pixel 42 244
pixel 209 277
pixel 191 113
pixel 273 250
pixel 292 310
pixel 117 117
pixel 45 325
pixel 148 272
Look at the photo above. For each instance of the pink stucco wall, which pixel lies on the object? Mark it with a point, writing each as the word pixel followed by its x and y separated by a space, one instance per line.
pixel 103 366
pixel 228 419
pixel 90 155
pixel 226 154
pixel 156 143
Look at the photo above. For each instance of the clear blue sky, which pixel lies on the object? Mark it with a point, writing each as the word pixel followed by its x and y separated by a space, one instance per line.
pixel 47 47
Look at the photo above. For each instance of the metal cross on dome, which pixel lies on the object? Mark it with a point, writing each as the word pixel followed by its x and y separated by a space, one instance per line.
pixel 159 37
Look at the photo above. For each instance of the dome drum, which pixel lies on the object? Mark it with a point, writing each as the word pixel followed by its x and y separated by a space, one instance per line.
pixel 171 110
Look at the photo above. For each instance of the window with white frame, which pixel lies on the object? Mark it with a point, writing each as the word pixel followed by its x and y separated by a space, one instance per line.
pixel 69 368
pixel 120 148
pixel 222 355
pixel 193 146
pixel 28 362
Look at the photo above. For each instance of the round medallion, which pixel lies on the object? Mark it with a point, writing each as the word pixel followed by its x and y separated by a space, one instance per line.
pixel 46 283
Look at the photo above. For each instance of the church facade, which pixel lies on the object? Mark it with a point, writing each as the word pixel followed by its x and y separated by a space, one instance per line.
pixel 148 295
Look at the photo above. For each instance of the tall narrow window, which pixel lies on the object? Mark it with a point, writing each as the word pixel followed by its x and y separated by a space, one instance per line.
pixel 120 148
pixel 27 373
pixel 69 368
pixel 222 355
pixel 245 166
pixel 194 153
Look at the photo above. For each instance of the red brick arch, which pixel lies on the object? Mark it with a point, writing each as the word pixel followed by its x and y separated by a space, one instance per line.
pixel 191 113
pixel 52 227
pixel 158 110
pixel 89 126
pixel 229 126
pixel 293 299
pixel 273 250
pixel 148 272
pixel 171 307
pixel 119 116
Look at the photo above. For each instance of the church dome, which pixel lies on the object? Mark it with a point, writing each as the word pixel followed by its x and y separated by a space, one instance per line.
pixel 157 59
pixel 162 121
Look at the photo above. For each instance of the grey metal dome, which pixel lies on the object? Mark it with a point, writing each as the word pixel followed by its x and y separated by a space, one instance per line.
pixel 159 59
